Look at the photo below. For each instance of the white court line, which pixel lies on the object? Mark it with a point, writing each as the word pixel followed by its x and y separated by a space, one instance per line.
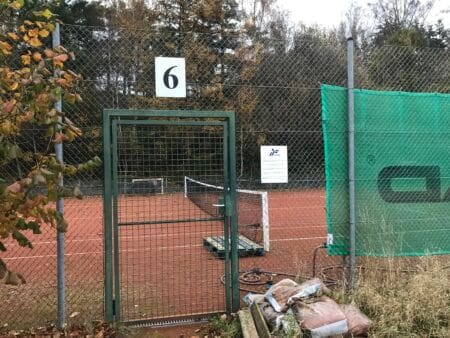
pixel 159 249
pixel 296 239
pixel 100 238
pixel 46 256
pixel 302 227
pixel 101 253
pixel 65 241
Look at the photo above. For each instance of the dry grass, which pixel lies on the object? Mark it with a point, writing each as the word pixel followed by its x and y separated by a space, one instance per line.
pixel 35 305
pixel 405 297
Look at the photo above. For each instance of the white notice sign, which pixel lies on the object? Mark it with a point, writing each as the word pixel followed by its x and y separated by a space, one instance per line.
pixel 170 77
pixel 274 164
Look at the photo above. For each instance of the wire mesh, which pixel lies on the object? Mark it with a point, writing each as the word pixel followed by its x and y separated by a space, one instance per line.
pixel 164 271
pixel 274 88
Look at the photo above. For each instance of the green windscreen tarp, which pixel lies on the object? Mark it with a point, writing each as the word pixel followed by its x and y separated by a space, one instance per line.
pixel 402 172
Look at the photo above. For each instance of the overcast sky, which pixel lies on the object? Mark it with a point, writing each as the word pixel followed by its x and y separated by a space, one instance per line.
pixel 329 13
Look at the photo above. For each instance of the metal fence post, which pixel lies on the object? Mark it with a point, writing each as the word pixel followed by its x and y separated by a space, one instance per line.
pixel 351 158
pixel 56 41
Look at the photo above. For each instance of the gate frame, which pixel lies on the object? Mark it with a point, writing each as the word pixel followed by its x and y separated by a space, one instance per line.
pixel 112 117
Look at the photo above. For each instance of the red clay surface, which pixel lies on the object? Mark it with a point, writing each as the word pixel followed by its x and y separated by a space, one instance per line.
pixel 164 269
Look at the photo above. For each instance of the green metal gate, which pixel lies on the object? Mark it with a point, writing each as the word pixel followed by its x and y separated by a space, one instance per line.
pixel 170 183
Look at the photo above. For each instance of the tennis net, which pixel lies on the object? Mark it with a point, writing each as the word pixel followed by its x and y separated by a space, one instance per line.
pixel 252 208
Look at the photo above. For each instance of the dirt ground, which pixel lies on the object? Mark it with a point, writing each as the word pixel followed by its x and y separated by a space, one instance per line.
pixel 181 331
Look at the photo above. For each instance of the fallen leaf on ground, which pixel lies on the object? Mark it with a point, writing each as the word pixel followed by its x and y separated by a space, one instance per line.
pixel 74 314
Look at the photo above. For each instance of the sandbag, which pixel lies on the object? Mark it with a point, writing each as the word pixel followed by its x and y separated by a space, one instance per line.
pixel 270 315
pixel 251 298
pixel 311 288
pixel 321 318
pixel 280 323
pixel 286 292
pixel 358 323
pixel 279 293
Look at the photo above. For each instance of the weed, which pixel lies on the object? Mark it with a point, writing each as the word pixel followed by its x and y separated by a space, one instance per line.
pixel 223 326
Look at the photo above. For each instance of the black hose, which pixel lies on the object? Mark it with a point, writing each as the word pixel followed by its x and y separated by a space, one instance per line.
pixel 322 246
pixel 254 277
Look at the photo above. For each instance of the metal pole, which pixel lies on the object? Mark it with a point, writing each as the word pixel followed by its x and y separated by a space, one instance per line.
pixel 56 41
pixel 233 230
pixel 351 159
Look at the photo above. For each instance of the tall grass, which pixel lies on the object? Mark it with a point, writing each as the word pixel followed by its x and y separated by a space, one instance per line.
pixel 405 297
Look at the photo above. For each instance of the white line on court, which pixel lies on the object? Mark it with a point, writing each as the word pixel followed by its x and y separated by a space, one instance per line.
pixel 137 250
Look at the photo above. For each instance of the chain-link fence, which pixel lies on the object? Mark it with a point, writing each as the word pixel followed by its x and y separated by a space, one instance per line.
pixel 274 88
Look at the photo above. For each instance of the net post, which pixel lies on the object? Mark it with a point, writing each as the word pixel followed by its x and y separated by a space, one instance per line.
pixel 351 159
pixel 185 186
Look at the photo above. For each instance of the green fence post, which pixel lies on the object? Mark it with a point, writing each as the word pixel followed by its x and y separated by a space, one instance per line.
pixel 234 230
pixel 107 213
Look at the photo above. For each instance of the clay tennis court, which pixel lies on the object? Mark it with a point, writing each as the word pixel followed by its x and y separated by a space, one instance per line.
pixel 165 271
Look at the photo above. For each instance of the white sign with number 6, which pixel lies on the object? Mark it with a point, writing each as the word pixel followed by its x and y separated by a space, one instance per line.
pixel 170 77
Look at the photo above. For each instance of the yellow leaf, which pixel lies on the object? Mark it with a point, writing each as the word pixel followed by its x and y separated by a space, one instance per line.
pixel 22 29
pixel 50 27
pixel 26 38
pixel 37 56
pixel 35 42
pixel 5 45
pixel 33 33
pixel 70 98
pixel 40 24
pixel 14 86
pixel 28 22
pixel 6 127
pixel 45 13
pixel 70 134
pixel 5 51
pixel 25 70
pixel 13 36
pixel 26 60
pixel 68 76
pixel 16 5
pixel 58 64
pixel 43 33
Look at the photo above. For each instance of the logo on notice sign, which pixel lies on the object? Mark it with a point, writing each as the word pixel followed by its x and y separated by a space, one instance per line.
pixel 274 152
